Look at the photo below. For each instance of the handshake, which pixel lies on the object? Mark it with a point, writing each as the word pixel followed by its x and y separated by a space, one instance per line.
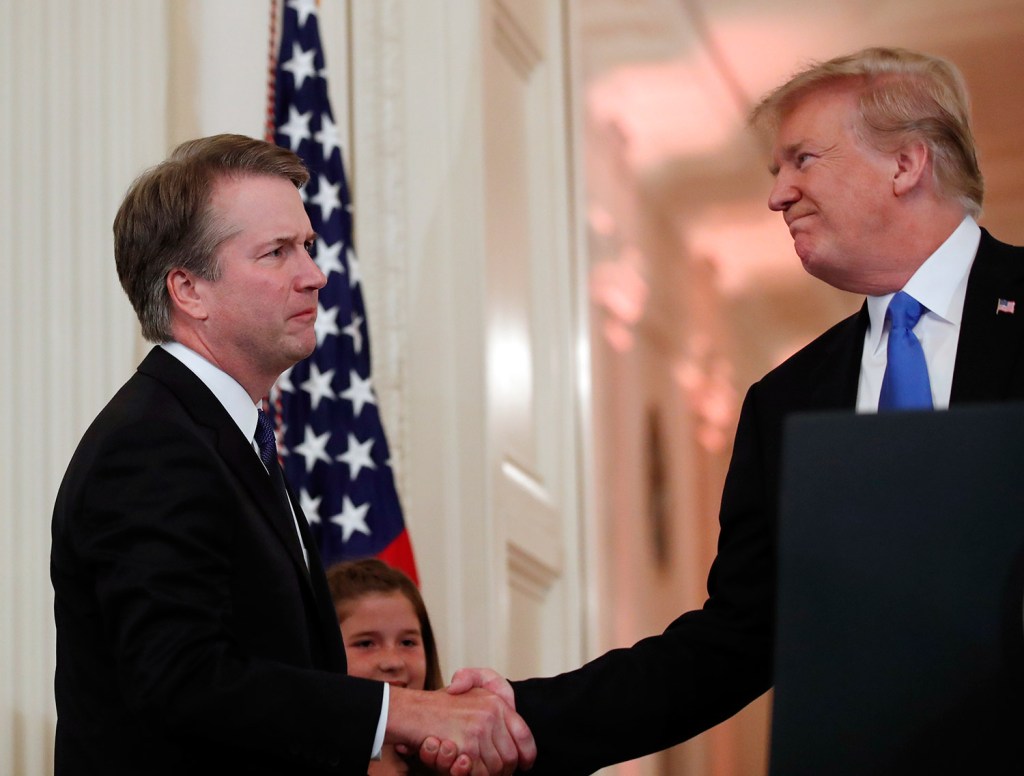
pixel 469 729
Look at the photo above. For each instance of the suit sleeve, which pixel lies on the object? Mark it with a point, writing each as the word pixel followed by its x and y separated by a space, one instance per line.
pixel 707 664
pixel 162 540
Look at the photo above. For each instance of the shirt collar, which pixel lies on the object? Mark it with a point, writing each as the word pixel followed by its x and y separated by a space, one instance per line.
pixel 227 390
pixel 939 284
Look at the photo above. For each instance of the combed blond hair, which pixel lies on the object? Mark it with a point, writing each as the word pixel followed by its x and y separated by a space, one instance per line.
pixel 903 96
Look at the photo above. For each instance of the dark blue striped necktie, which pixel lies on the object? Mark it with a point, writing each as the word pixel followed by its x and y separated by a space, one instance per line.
pixel 265 440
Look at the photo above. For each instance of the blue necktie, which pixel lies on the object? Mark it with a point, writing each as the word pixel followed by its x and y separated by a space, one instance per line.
pixel 265 440
pixel 905 385
pixel 267 443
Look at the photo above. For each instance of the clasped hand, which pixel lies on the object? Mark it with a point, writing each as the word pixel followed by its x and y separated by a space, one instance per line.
pixel 474 728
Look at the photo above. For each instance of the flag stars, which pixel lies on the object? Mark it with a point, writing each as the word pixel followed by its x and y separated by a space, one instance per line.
pixel 300 65
pixel 359 392
pixel 284 382
pixel 304 8
pixel 355 331
pixel 355 277
pixel 318 385
pixel 326 323
pixel 313 448
pixel 337 451
pixel 357 456
pixel 328 257
pixel 296 129
pixel 328 136
pixel 352 518
pixel 310 506
pixel 327 198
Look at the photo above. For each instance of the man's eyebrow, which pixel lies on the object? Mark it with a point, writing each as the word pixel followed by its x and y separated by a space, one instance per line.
pixel 284 239
pixel 787 152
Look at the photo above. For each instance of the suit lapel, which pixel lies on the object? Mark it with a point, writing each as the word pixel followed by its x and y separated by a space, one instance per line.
pixel 835 374
pixel 990 353
pixel 240 457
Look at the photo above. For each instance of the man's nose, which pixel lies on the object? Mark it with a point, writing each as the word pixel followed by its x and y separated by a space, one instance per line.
pixel 313 276
pixel 783 193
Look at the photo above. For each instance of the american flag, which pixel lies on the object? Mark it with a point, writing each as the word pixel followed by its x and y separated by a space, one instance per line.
pixel 329 429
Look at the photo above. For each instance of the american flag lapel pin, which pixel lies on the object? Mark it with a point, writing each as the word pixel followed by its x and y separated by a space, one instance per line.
pixel 1005 306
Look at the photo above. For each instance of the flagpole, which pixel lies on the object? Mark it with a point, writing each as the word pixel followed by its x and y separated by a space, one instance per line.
pixel 269 126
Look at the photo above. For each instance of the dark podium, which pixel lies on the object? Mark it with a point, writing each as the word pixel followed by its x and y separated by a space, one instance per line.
pixel 900 641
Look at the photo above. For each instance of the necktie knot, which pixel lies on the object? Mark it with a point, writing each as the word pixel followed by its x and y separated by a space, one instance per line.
pixel 905 384
pixel 265 439
pixel 904 311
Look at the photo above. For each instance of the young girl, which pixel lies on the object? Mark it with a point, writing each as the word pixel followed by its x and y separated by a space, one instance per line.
pixel 387 636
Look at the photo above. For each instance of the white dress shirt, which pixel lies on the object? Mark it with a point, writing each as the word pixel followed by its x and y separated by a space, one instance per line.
pixel 940 284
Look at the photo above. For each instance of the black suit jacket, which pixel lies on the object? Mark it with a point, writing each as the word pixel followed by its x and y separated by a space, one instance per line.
pixel 191 638
pixel 711 662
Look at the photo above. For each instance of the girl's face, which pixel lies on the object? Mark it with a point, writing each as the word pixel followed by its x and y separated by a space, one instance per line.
pixel 383 640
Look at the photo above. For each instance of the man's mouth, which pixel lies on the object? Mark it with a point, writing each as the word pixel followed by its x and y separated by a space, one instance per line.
pixel 790 222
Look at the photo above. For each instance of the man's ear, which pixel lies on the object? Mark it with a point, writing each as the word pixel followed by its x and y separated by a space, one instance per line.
pixel 185 294
pixel 913 162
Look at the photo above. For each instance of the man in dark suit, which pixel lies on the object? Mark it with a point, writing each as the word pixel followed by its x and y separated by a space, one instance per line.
pixel 877 179
pixel 195 630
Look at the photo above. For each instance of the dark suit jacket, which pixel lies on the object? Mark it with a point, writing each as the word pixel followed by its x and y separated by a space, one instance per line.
pixel 190 637
pixel 711 662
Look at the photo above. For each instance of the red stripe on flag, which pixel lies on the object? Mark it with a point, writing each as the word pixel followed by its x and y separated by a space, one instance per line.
pixel 398 555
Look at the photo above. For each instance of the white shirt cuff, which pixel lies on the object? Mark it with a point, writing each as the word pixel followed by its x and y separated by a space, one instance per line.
pixel 382 723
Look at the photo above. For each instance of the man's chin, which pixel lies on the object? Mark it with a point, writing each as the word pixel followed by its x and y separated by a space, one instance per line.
pixel 300 351
pixel 844 281
pixel 807 258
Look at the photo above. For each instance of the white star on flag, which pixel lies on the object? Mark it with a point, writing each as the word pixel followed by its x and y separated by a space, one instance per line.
pixel 318 386
pixel 357 456
pixel 284 382
pixel 355 332
pixel 328 257
pixel 310 506
pixel 328 136
pixel 354 276
pixel 304 8
pixel 359 392
pixel 313 447
pixel 327 197
pixel 301 65
pixel 352 518
pixel 326 323
pixel 297 128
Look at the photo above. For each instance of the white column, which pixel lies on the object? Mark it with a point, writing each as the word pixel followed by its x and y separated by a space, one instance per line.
pixel 82 111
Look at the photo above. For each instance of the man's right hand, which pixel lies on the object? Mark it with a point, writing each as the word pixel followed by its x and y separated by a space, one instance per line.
pixel 475 732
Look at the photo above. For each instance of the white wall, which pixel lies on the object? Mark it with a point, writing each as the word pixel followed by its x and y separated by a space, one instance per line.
pixel 82 111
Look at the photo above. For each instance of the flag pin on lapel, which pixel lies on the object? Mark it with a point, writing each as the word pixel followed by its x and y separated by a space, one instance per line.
pixel 1005 306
